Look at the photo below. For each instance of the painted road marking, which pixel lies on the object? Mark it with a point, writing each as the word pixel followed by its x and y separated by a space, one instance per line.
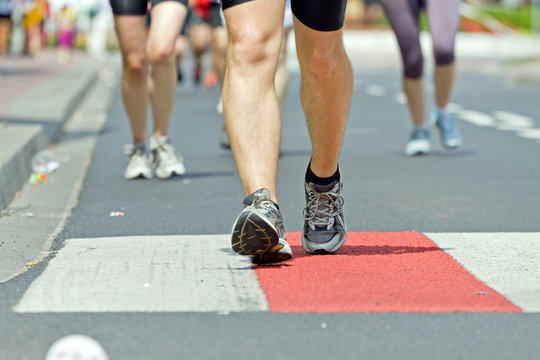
pixel 511 121
pixel 375 90
pixel 146 274
pixel 477 118
pixel 377 272
pixel 374 272
pixel 400 98
pixel 508 262
pixel 533 134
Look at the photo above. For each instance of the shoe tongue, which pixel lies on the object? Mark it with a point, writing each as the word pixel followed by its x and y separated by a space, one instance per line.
pixel 263 194
pixel 323 188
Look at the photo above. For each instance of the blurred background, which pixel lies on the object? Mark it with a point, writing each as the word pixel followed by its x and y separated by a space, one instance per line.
pixel 27 27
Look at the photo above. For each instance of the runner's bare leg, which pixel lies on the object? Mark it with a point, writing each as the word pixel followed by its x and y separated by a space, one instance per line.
pixel 167 20
pixel 132 36
pixel 327 84
pixel 249 99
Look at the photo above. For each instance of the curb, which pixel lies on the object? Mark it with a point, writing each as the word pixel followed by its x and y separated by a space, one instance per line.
pixel 34 121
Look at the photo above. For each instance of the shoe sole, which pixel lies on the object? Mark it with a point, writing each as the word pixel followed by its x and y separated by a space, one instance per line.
pixel 253 235
pixel 322 249
pixel 444 144
pixel 167 173
pixel 418 150
pixel 140 175
pixel 274 255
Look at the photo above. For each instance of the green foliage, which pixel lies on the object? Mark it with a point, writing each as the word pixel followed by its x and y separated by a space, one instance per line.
pixel 519 19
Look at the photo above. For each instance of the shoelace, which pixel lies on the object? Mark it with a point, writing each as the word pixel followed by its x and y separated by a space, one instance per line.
pixel 136 157
pixel 322 207
pixel 167 154
pixel 420 134
pixel 446 123
pixel 271 211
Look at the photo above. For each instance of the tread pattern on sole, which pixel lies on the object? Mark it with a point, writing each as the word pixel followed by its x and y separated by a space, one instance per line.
pixel 252 235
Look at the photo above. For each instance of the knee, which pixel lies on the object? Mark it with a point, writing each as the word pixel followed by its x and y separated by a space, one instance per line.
pixel 321 59
pixel 160 53
pixel 413 64
pixel 135 67
pixel 251 48
pixel 443 55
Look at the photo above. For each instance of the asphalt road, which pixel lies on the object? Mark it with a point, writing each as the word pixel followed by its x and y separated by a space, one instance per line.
pixel 489 185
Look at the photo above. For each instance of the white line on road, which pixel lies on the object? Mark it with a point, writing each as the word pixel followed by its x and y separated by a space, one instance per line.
pixel 197 273
pixel 507 262
pixel 375 90
pixel 530 134
pixel 400 98
pixel 477 118
pixel 514 120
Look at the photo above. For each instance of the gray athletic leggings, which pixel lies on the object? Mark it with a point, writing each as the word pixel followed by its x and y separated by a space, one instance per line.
pixel 443 17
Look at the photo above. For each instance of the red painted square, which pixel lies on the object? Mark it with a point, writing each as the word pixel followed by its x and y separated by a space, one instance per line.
pixel 377 272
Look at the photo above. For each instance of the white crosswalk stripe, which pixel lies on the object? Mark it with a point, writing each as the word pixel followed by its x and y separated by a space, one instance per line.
pixel 146 274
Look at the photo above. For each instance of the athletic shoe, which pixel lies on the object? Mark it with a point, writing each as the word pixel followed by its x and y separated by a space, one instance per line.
pixel 324 225
pixel 418 143
pixel 258 231
pixel 165 158
pixel 138 165
pixel 223 139
pixel 450 135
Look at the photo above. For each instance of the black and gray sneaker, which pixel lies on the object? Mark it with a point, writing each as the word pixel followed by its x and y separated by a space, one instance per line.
pixel 258 231
pixel 324 225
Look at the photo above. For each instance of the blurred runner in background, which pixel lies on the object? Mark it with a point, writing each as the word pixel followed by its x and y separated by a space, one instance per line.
pixel 443 18
pixel 139 50
pixel 206 30
pixel 35 12
pixel 66 20
pixel 6 7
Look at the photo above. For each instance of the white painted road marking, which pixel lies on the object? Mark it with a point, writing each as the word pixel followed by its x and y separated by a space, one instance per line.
pixel 375 90
pixel 530 134
pixel 512 121
pixel 506 262
pixel 477 118
pixel 146 274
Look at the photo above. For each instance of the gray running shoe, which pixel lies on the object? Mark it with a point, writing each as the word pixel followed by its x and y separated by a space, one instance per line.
pixel 418 143
pixel 138 165
pixel 324 225
pixel 450 135
pixel 258 231
pixel 165 158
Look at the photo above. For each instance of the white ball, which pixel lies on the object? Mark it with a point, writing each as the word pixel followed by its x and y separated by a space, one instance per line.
pixel 76 347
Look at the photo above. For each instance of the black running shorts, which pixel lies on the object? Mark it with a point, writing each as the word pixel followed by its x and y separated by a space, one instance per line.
pixel 135 7
pixel 321 15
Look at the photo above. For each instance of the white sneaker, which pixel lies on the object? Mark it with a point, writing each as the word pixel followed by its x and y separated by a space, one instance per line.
pixel 418 143
pixel 138 165
pixel 165 158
